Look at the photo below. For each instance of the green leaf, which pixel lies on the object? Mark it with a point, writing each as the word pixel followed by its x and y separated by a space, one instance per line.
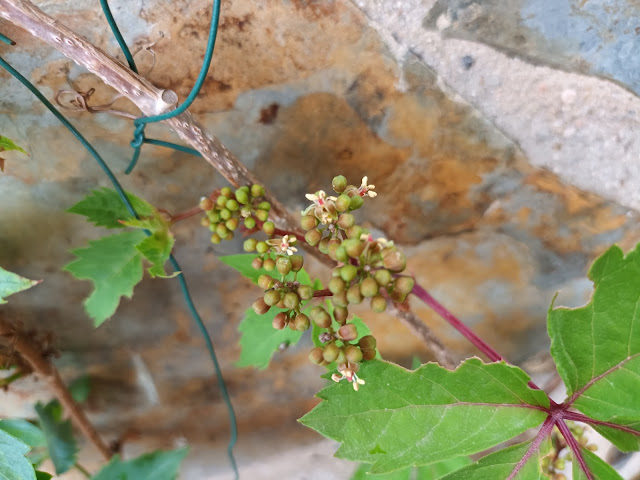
pixel 501 463
pixel 105 208
pixel 440 469
pixel 596 348
pixel 402 418
pixel 80 388
pixel 43 475
pixel 24 431
pixel 157 465
pixel 7 145
pixel 156 248
pixel 114 265
pixel 13 462
pixel 260 340
pixel 600 469
pixel 429 472
pixel 11 283
pixel 59 434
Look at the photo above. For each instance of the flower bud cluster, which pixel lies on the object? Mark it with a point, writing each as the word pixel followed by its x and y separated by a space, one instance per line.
pixel 227 210
pixel 556 461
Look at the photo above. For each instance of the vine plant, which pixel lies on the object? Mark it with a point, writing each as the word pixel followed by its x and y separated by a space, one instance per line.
pixel 399 423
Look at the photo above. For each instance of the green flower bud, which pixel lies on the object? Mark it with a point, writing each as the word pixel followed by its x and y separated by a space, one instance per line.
pixel 341 357
pixel 226 192
pixel 260 307
pixel 320 317
pixel 305 292
pixel 206 204
pixel 342 203
pixel 205 222
pixel 336 285
pixel 249 223
pixel 340 314
pixel 368 355
pixel 221 201
pixel 232 223
pixel 308 222
pixel 268 227
pixel 348 332
pixel 257 190
pixel 383 277
pixel 249 245
pixel 242 196
pixel 265 282
pixel 339 183
pixel 341 255
pixel 296 262
pixel 323 246
pixel 369 287
pixel 257 263
pixel 316 356
pixel 302 322
pixel 332 249
pixel 232 205
pixel 348 272
pixel 404 285
pixel 283 265
pixel 397 296
pixel 222 230
pixel 378 303
pixel 266 206
pixel 215 239
pixel 559 464
pixel 356 202
pixel 368 342
pixel 312 237
pixel 214 216
pixel 262 215
pixel 346 220
pixel 393 259
pixel 353 294
pixel 291 300
pixel 340 299
pixel 262 247
pixel 269 264
pixel 355 232
pixel 353 354
pixel 330 352
pixel 272 297
pixel 353 247
pixel 280 321
pixel 225 214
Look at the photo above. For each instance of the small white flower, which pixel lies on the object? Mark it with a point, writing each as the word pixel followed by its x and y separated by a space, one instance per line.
pixel 383 242
pixel 366 189
pixel 285 244
pixel 348 372
pixel 319 198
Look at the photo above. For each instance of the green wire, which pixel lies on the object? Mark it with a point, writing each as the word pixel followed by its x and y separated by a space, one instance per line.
pixel 7 40
pixel 181 280
pixel 118 35
pixel 175 146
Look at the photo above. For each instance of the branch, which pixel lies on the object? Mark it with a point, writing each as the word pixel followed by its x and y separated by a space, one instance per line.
pixel 152 101
pixel 42 366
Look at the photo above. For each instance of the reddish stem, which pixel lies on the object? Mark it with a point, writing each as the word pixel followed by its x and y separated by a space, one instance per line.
pixel 544 432
pixel 575 448
pixel 579 417
pixel 437 307
pixel 189 213
pixel 322 293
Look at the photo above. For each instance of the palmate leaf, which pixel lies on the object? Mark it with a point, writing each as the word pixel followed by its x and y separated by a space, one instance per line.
pixel 596 348
pixel 157 465
pixel 114 265
pixel 402 418
pixel 11 283
pixel 104 208
pixel 13 462
pixel 61 443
